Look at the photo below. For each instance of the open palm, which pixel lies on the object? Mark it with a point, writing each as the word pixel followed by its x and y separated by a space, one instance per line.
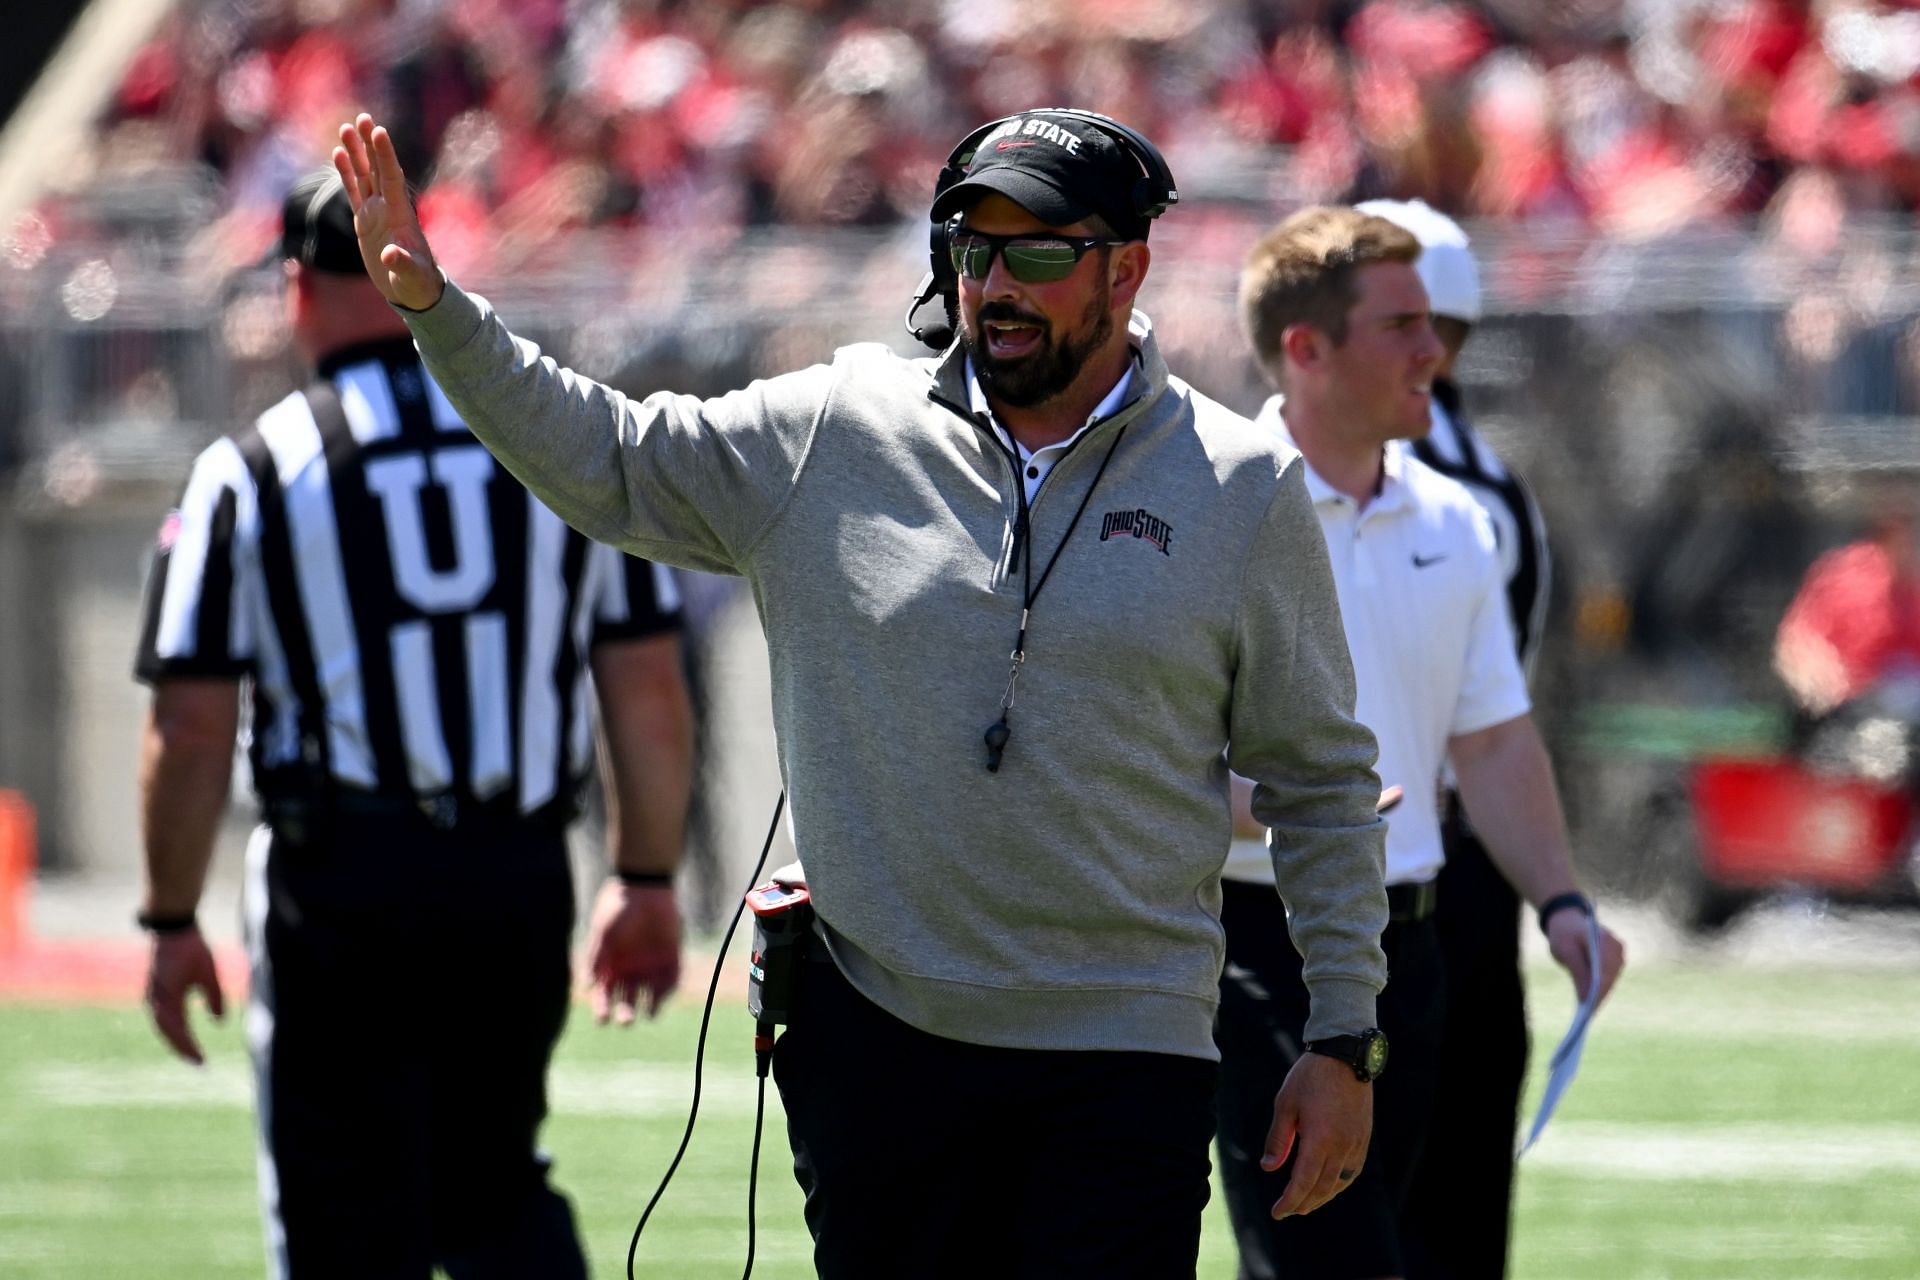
pixel 392 244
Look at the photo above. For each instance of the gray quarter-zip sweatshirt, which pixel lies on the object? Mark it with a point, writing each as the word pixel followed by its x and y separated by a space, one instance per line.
pixel 1071 900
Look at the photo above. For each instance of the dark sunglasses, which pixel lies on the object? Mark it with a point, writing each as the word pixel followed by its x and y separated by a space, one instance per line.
pixel 1031 259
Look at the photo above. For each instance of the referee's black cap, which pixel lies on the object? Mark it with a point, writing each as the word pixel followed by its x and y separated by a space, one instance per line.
pixel 316 226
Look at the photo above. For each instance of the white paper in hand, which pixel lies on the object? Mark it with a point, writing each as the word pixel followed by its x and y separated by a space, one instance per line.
pixel 1565 1063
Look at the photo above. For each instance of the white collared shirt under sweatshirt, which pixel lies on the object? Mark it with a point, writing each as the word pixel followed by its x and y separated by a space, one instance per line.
pixel 1423 597
pixel 1035 465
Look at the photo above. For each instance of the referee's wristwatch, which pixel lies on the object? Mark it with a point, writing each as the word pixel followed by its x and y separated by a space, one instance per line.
pixel 1366 1053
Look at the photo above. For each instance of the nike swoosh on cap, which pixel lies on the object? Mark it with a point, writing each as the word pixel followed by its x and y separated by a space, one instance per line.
pixel 1008 143
pixel 1421 562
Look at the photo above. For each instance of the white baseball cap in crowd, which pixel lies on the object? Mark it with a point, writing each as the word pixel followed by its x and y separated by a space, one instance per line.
pixel 1446 264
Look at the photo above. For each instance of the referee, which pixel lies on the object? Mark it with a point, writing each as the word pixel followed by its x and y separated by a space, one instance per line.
pixel 1483 1055
pixel 419 640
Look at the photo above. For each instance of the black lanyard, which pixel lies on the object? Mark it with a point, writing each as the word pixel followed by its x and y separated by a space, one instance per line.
pixel 999 731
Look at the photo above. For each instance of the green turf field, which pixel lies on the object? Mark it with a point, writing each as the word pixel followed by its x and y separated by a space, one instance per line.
pixel 1727 1125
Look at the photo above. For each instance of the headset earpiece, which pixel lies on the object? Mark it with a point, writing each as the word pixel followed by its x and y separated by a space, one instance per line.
pixel 940 246
pixel 939 282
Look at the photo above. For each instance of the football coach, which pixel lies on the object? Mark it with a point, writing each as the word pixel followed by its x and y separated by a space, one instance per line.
pixel 1006 736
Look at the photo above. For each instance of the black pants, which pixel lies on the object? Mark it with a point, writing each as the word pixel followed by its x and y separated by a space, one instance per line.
pixel 409 986
pixel 1457 1219
pixel 930 1158
pixel 1263 1012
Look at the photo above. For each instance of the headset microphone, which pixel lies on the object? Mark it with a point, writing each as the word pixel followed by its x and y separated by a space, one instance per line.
pixel 939 335
pixel 942 282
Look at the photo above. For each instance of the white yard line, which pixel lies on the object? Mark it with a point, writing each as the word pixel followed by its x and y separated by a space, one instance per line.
pixel 1735 1153
pixel 651 1090
pixel 1854 1024
pixel 1683 1153
pixel 164 1083
pixel 628 1089
pixel 1786 935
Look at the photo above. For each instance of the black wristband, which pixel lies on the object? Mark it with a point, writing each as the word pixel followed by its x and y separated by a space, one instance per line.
pixel 644 879
pixel 1560 901
pixel 155 923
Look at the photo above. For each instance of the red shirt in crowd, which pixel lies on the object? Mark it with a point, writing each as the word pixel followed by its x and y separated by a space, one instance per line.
pixel 1855 619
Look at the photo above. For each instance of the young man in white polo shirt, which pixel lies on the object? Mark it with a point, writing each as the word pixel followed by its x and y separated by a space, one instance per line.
pixel 1339 321
pixel 1483 1064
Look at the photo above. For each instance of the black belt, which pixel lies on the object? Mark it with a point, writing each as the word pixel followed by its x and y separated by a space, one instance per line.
pixel 295 817
pixel 1410 903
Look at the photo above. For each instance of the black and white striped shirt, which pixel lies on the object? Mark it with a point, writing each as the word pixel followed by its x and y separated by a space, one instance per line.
pixel 412 621
pixel 1454 450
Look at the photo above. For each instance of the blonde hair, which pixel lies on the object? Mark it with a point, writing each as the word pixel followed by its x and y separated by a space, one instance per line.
pixel 1302 271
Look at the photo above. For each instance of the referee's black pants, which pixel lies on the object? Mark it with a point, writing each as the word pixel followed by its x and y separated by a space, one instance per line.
pixel 930 1158
pixel 409 985
pixel 1260 1030
pixel 1458 1212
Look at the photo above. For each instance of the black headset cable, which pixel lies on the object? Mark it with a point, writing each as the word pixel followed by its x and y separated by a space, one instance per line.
pixel 699 1060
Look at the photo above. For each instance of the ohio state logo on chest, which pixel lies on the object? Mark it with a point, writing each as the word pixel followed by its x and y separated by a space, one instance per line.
pixel 1142 524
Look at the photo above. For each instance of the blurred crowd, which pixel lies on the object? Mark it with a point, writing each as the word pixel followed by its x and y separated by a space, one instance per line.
pixel 1693 215
pixel 531 118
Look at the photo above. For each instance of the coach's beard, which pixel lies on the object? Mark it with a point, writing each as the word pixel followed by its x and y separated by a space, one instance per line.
pixel 1050 368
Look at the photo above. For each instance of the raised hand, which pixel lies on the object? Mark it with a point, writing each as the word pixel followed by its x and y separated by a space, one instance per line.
pixel 392 245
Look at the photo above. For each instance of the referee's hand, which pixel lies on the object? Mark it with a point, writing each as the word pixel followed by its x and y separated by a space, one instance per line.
pixel 392 245
pixel 179 963
pixel 633 946
pixel 1325 1117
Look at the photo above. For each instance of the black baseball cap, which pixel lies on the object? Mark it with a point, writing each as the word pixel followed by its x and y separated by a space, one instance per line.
pixel 316 226
pixel 1057 167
